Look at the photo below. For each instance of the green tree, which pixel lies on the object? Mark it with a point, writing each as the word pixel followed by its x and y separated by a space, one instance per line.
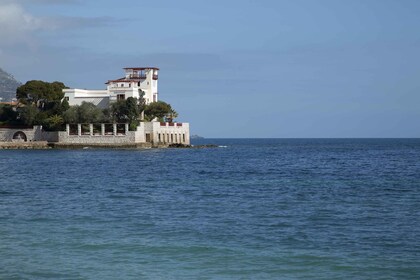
pixel 7 114
pixel 53 123
pixel 56 107
pixel 127 111
pixel 171 115
pixel 41 117
pixel 84 113
pixel 141 102
pixel 89 113
pixel 40 92
pixel 133 112
pixel 71 115
pixel 157 110
pixel 28 115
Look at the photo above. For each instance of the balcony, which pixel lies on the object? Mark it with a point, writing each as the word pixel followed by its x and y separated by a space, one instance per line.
pixel 137 76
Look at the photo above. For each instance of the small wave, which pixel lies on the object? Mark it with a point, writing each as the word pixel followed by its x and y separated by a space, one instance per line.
pixel 222 146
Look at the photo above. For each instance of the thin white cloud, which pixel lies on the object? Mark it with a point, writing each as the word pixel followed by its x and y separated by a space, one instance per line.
pixel 55 2
pixel 16 24
pixel 78 22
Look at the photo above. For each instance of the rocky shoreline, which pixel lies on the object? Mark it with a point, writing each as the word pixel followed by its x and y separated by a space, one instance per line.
pixel 45 145
pixel 24 145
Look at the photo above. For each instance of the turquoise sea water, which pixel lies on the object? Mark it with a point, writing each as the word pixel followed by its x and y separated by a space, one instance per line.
pixel 255 209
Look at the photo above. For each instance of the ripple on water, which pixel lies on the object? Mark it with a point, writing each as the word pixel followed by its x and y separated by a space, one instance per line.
pixel 266 208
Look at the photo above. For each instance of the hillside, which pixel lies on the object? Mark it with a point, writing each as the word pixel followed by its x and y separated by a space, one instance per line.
pixel 8 85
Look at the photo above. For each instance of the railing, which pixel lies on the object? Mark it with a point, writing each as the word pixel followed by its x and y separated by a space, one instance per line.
pixel 170 124
pixel 97 129
pixel 137 76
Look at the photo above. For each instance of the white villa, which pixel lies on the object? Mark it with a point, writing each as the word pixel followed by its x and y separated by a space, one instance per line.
pixel 147 134
pixel 136 79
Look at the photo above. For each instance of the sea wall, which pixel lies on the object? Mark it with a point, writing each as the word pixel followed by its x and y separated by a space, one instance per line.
pixel 169 133
pixel 158 134
pixel 24 145
pixel 18 134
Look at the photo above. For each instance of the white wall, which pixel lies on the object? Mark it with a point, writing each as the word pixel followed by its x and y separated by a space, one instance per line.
pixel 102 98
pixel 159 133
pixel 77 96
pixel 170 134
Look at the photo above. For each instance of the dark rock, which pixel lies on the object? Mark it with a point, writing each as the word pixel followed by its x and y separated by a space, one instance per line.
pixel 205 146
pixel 178 145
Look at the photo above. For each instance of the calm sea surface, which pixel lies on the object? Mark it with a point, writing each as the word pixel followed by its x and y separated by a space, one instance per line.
pixel 252 209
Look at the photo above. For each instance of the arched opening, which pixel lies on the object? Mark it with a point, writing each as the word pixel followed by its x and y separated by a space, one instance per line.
pixel 19 136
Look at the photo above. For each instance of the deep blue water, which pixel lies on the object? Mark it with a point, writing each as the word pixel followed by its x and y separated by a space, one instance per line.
pixel 255 209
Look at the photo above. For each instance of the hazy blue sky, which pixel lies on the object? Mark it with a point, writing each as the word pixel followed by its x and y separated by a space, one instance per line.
pixel 236 68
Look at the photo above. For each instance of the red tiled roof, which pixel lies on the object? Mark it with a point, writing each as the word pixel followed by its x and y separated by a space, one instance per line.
pixel 13 103
pixel 124 80
pixel 140 68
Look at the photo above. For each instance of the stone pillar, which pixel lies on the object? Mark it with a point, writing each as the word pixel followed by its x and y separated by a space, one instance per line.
pixel 187 136
pixel 114 129
pixel 79 129
pixel 155 137
pixel 68 128
pixel 91 129
pixel 126 129
pixel 102 129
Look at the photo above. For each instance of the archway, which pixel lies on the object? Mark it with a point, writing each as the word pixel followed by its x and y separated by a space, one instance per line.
pixel 19 136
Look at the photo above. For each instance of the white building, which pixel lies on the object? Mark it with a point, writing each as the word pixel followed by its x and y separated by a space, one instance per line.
pixel 136 79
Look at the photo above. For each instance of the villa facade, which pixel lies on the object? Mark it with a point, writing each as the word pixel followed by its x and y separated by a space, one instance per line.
pixel 135 81
pixel 147 134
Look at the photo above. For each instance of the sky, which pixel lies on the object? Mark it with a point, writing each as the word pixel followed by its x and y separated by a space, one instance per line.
pixel 236 68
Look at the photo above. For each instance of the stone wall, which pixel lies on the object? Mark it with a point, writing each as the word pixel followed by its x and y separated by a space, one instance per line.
pixel 64 137
pixel 169 133
pixel 155 133
pixel 24 145
pixel 8 133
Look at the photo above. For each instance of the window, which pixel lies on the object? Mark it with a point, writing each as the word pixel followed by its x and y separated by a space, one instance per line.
pixel 120 97
pixel 66 98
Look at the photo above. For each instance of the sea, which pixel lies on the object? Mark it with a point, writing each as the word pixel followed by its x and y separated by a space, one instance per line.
pixel 245 209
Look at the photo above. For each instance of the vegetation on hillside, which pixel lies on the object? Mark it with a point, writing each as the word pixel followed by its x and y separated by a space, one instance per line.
pixel 42 103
